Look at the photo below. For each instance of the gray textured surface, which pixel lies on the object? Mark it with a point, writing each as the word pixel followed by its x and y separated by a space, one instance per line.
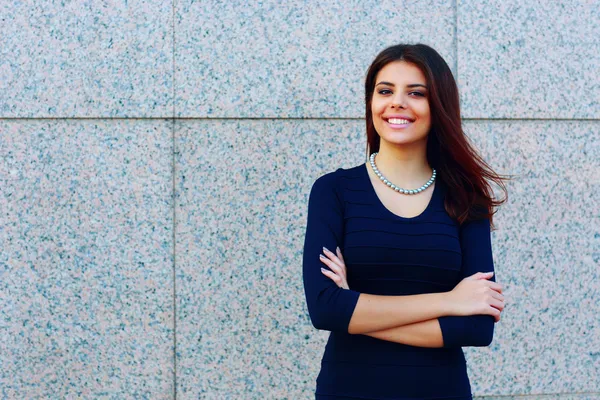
pixel 293 59
pixel 547 252
pixel 554 396
pixel 86 59
pixel 536 59
pixel 86 278
pixel 93 263
pixel 243 331
pixel 252 336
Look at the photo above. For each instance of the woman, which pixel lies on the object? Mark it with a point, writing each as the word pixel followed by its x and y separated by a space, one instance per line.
pixel 404 274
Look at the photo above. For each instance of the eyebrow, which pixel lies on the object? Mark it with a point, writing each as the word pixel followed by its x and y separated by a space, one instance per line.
pixel 408 86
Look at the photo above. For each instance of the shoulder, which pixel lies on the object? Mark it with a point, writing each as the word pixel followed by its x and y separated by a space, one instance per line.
pixel 333 182
pixel 338 175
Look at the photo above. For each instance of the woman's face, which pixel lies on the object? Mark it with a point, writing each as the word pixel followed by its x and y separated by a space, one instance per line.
pixel 400 104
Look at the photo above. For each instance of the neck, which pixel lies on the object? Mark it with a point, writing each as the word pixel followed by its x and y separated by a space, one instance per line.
pixel 405 166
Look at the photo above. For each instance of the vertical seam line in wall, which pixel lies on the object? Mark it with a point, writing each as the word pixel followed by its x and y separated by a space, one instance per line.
pixel 174 200
pixel 456 39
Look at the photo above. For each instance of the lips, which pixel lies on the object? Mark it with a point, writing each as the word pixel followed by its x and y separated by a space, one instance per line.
pixel 398 122
pixel 398 119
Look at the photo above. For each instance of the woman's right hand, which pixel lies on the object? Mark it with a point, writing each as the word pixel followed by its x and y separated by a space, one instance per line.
pixel 476 295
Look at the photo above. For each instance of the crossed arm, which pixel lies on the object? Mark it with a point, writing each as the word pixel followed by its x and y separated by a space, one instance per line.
pixel 420 334
pixel 419 320
pixel 468 330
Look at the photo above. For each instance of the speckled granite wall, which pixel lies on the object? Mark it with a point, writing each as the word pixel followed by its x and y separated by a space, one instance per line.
pixel 86 260
pixel 292 59
pixel 529 59
pixel 180 227
pixel 243 331
pixel 252 335
pixel 547 255
pixel 86 59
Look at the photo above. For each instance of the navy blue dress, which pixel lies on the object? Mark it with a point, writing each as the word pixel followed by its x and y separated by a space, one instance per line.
pixel 386 254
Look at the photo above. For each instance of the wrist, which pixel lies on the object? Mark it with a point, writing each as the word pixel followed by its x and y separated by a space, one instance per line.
pixel 446 305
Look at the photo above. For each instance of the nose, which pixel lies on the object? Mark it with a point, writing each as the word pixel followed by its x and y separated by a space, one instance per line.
pixel 398 101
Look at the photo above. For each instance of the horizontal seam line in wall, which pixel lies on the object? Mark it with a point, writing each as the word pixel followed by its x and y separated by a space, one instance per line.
pixel 526 396
pixel 285 118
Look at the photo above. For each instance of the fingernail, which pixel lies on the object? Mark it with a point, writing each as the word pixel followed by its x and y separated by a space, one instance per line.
pixel 325 249
pixel 322 269
pixel 338 248
pixel 321 256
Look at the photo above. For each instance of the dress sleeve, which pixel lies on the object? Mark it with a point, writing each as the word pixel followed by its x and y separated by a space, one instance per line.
pixel 329 306
pixel 476 247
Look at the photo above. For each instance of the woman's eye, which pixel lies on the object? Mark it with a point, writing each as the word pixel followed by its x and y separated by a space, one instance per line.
pixel 387 91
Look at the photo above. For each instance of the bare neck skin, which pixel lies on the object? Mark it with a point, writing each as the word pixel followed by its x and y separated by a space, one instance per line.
pixel 406 165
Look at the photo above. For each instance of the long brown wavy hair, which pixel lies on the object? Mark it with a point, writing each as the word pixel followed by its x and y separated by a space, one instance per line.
pixel 449 150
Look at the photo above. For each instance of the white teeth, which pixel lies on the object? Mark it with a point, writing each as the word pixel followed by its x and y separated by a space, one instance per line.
pixel 398 121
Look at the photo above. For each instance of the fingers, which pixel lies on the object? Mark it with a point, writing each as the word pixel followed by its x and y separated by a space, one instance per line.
pixel 497 295
pixel 495 299
pixel 495 313
pixel 339 254
pixel 496 286
pixel 334 258
pixel 497 304
pixel 338 280
pixel 481 275
pixel 332 265
pixel 337 272
pixel 489 310
pixel 487 275
pixel 334 277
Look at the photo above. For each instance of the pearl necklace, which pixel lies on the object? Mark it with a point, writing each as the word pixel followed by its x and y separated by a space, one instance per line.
pixel 396 188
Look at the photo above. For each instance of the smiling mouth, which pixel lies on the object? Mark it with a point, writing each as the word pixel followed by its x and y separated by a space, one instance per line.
pixel 398 122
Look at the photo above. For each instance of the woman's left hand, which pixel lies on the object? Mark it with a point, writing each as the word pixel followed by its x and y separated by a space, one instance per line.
pixel 337 268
